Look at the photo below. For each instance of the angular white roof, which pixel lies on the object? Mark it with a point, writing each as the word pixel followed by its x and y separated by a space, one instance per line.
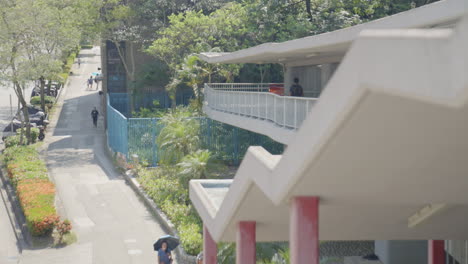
pixel 385 148
pixel 331 46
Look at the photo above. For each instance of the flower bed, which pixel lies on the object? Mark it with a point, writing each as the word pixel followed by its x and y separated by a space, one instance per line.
pixel 36 193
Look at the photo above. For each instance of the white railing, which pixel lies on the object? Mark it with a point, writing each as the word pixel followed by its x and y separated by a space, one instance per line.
pixel 244 87
pixel 458 250
pixel 285 111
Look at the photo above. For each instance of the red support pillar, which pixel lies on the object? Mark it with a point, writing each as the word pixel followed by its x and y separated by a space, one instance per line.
pixel 245 244
pixel 436 252
pixel 210 250
pixel 303 230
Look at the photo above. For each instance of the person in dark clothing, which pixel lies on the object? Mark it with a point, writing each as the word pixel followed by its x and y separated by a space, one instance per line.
pixel 164 254
pixel 296 89
pixel 94 115
pixel 90 82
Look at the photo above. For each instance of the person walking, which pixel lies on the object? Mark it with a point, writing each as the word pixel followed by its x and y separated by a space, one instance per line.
pixel 79 62
pixel 90 82
pixel 94 115
pixel 164 254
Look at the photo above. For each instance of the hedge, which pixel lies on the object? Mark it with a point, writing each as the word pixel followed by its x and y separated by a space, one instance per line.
pixel 36 193
pixel 49 100
pixel 173 199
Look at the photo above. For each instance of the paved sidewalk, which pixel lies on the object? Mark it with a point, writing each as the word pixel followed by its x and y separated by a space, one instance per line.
pixel 9 247
pixel 112 225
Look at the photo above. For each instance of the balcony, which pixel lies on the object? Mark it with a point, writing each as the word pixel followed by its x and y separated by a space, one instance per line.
pixel 251 106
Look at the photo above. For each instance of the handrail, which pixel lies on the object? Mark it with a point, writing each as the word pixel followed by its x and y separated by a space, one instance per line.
pixel 284 111
pixel 259 87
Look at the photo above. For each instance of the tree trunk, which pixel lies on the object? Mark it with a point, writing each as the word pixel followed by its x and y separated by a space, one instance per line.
pixel 309 13
pixel 42 81
pixel 19 93
pixel 49 84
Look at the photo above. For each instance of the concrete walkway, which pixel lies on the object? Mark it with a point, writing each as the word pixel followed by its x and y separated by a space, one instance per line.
pixel 112 225
pixel 9 244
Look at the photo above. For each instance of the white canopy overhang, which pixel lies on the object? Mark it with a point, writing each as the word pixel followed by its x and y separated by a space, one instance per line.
pixel 385 149
pixel 330 47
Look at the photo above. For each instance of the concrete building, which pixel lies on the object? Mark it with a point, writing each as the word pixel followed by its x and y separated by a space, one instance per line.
pixel 381 154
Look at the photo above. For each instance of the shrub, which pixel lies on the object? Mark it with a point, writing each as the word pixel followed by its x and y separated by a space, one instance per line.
pixel 86 46
pixel 191 238
pixel 49 100
pixel 12 141
pixel 34 133
pixel 63 228
pixel 23 163
pixel 36 193
pixel 37 201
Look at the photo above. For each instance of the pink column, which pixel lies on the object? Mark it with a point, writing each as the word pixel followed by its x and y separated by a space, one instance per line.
pixel 303 230
pixel 210 250
pixel 436 252
pixel 245 244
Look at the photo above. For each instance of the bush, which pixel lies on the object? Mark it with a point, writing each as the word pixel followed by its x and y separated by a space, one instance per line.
pixel 34 133
pixel 12 141
pixel 49 100
pixel 36 193
pixel 37 201
pixel 191 238
pixel 63 228
pixel 162 185
pixel 86 46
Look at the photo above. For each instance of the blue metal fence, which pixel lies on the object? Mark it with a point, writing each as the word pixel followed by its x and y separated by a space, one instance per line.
pixel 117 136
pixel 120 101
pixel 138 136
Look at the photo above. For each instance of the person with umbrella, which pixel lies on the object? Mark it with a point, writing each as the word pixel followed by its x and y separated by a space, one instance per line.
pixel 164 254
pixel 164 246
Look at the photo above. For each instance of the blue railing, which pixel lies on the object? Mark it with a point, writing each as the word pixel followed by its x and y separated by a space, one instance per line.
pixel 138 136
pixel 117 130
pixel 120 101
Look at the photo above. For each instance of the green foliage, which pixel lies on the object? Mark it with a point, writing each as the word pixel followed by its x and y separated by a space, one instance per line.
pixel 155 112
pixel 179 137
pixel 36 193
pixel 49 100
pixel 12 141
pixel 163 186
pixel 23 163
pixel 86 47
pixel 63 228
pixel 191 237
pixel 34 133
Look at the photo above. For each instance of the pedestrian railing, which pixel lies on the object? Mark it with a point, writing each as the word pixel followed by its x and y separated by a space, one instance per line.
pixel 254 101
pixel 456 252
pixel 243 87
pixel 117 136
pixel 130 136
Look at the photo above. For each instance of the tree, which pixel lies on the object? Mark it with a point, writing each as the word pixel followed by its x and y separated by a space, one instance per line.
pixel 34 35
pixel 194 32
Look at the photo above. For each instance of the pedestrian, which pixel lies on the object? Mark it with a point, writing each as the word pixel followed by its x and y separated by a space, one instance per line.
pixel 94 115
pixel 164 254
pixel 296 89
pixel 79 62
pixel 96 80
pixel 200 258
pixel 90 82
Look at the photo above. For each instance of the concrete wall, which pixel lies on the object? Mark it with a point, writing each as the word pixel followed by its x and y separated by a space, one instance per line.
pixel 401 251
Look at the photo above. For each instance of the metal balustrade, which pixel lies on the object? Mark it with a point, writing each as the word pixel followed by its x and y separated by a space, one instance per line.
pixel 457 251
pixel 243 87
pixel 254 101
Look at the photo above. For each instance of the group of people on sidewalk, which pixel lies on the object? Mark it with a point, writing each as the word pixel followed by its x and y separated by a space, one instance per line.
pixel 92 80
